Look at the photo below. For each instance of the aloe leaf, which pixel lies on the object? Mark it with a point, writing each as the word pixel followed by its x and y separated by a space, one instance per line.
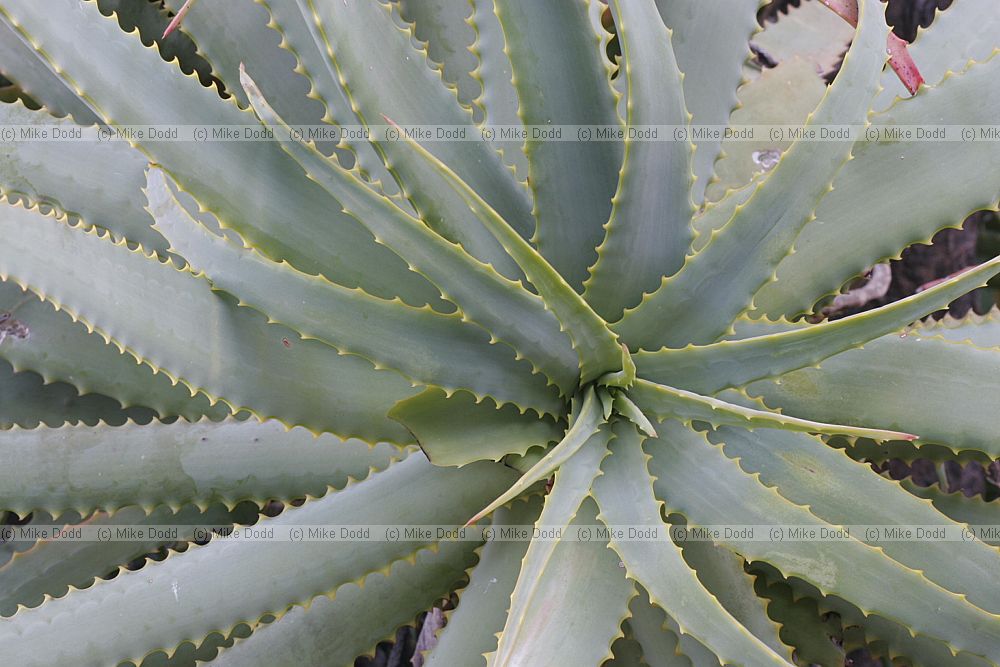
pixel 282 214
pixel 649 625
pixel 842 242
pixel 65 468
pixel 99 182
pixel 626 408
pixel 542 602
pixel 27 400
pixel 509 312
pixel 699 303
pixel 51 567
pixel 223 39
pixel 972 510
pixel 61 350
pixel 36 78
pixel 200 591
pixel 573 181
pixel 695 479
pixel 919 650
pixel 801 624
pixel 525 462
pixel 649 230
pixel 810 32
pixel 421 344
pixel 188 654
pixel 471 630
pixel 332 632
pixel 783 95
pixel 710 368
pixel 915 377
pixel 862 449
pixel 966 31
pixel 663 402
pixel 715 215
pixel 722 573
pixel 456 429
pixel 239 33
pixel 584 427
pixel 445 27
pixel 710 43
pixel 299 36
pixel 499 98
pixel 596 345
pixel 625 495
pixel 152 20
pixel 385 74
pixel 172 320
pixel 607 402
pixel 791 463
pixel 748 327
pixel 980 330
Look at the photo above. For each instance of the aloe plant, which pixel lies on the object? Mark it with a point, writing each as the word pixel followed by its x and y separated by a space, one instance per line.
pixel 430 334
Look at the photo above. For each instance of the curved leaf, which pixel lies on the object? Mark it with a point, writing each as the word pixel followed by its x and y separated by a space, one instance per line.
pixel 60 349
pixel 423 345
pixel 663 402
pixel 699 303
pixel 456 429
pixel 694 478
pixel 543 604
pixel 331 631
pixel 471 631
pixel 200 590
pixel 806 472
pixel 573 181
pixel 100 182
pixel 499 98
pixel 385 74
pixel 649 231
pixel 853 230
pixel 584 427
pixel 901 381
pixel 27 400
pixel 625 496
pixel 710 43
pixel 596 345
pixel 502 307
pixel 282 214
pixel 85 468
pixel 733 363
pixel 174 322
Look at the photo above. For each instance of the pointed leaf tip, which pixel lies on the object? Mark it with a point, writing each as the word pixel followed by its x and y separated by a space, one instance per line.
pixel 587 423
pixel 178 18
pixel 900 60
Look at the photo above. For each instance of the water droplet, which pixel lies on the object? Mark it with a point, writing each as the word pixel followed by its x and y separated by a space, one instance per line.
pixel 767 158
